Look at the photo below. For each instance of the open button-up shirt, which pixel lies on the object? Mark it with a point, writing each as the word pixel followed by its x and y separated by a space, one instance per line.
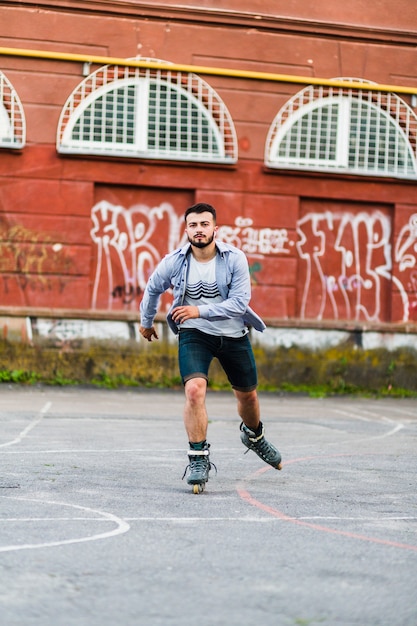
pixel 233 280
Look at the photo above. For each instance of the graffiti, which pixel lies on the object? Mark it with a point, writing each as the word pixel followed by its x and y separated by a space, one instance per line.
pixel 413 297
pixel 406 257
pixel 128 247
pixel 349 266
pixel 254 268
pixel 356 246
pixel 255 241
pixel 407 240
pixel 33 283
pixel 128 250
pixel 127 295
pixel 26 259
pixel 345 258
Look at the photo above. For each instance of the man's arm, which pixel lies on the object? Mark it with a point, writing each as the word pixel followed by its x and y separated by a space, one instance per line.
pixel 158 282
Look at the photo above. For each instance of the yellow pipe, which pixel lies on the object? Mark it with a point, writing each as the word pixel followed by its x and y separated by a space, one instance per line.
pixel 197 69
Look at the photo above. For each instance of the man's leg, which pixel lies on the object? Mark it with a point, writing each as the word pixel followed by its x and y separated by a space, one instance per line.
pixel 248 408
pixel 195 413
pixel 239 363
pixel 196 423
pixel 252 431
pixel 195 355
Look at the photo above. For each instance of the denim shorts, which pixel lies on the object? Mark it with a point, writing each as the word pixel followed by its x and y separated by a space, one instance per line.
pixel 197 349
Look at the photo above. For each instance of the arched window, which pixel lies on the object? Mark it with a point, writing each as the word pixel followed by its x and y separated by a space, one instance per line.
pixel 148 113
pixel 337 129
pixel 12 118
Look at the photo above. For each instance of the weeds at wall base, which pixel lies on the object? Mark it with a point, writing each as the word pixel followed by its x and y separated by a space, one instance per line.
pixel 111 365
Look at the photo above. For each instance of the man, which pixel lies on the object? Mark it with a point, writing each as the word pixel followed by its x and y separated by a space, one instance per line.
pixel 211 315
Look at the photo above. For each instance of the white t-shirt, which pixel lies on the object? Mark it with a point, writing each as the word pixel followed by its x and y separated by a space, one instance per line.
pixel 202 289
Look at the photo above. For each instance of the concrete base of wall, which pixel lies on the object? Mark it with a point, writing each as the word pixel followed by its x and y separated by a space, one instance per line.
pixel 305 338
pixel 322 339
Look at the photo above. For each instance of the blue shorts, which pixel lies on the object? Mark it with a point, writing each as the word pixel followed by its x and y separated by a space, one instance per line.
pixel 197 350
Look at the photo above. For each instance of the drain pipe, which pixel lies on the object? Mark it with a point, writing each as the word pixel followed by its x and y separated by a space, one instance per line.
pixel 197 69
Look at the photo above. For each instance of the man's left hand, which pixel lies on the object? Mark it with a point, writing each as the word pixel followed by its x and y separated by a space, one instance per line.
pixel 183 313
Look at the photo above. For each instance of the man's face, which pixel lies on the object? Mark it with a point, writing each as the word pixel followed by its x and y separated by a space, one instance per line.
pixel 200 229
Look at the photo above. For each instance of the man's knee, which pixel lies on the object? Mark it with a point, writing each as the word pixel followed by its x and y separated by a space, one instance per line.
pixel 195 390
pixel 247 398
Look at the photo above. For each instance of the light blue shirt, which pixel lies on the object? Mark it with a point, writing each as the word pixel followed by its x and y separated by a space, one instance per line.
pixel 233 280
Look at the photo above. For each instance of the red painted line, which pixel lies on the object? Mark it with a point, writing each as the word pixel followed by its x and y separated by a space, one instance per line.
pixel 246 496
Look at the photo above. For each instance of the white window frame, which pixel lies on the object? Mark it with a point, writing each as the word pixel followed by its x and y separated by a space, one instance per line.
pixel 198 94
pixel 12 117
pixel 341 136
pixel 388 107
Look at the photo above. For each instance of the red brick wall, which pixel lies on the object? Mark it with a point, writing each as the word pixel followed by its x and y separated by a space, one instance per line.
pixel 84 233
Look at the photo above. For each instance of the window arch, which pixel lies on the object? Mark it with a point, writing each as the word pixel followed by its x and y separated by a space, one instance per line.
pixel 12 118
pixel 149 113
pixel 338 129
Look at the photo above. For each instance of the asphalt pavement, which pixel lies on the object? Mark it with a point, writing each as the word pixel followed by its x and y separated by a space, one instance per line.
pixel 98 529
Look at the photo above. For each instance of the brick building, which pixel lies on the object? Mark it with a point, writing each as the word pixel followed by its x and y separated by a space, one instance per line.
pixel 296 120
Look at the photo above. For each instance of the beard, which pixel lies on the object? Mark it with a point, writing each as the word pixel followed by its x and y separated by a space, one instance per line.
pixel 200 243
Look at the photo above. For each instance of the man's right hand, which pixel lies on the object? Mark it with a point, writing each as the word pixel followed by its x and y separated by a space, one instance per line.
pixel 148 333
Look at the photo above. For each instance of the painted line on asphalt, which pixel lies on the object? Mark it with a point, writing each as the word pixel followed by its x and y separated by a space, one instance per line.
pixel 28 428
pixel 274 512
pixel 375 418
pixel 121 526
pixel 235 518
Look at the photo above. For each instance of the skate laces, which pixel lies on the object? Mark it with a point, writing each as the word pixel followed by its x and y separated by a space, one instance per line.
pixel 199 462
pixel 258 443
pixel 263 446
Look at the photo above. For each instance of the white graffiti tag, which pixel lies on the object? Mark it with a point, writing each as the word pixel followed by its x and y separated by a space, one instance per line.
pixel 406 257
pixel 406 246
pixel 355 282
pixel 126 254
pixel 345 260
pixel 255 241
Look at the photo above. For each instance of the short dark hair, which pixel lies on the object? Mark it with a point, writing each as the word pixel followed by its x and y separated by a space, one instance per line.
pixel 201 207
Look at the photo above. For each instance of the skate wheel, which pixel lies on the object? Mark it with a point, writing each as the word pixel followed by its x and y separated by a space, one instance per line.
pixel 279 466
pixel 198 488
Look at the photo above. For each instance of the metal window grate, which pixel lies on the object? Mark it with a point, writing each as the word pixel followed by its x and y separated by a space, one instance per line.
pixel 12 118
pixel 149 113
pixel 344 130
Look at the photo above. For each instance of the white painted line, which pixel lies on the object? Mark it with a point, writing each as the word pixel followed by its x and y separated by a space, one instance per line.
pixel 30 426
pixel 266 519
pixel 121 527
pixel 375 419
pixel 143 451
pixel 378 519
pixel 106 450
pixel 51 519
pixel 392 409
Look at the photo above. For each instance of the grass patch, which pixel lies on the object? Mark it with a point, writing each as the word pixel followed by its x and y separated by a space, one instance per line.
pixel 337 371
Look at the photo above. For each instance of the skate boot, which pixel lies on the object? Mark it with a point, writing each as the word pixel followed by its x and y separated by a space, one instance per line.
pixel 198 468
pixel 265 450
